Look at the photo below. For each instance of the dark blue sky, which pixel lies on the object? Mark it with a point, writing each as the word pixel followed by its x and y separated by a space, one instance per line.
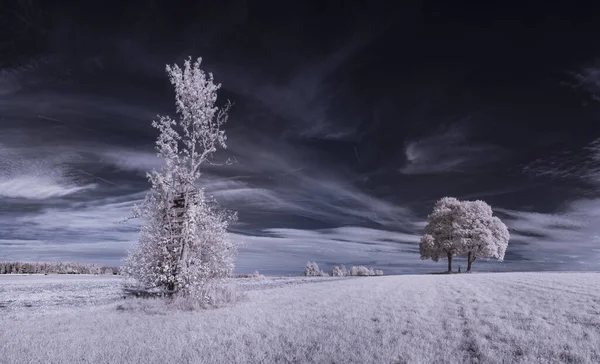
pixel 349 122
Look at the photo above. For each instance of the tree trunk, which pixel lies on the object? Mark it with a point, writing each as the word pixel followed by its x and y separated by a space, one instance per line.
pixel 170 288
pixel 470 260
pixel 449 263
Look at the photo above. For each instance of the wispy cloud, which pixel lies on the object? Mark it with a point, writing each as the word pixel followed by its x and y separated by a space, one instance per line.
pixel 130 159
pixel 35 71
pixel 448 151
pixel 304 97
pixel 84 231
pixel 588 78
pixel 283 177
pixel 582 165
pixel 290 249
pixel 34 187
pixel 282 181
pixel 572 233
pixel 37 176
pixel 571 236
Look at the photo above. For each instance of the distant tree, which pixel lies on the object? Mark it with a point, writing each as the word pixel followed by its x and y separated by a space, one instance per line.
pixel 440 239
pixel 183 246
pixel 482 235
pixel 312 269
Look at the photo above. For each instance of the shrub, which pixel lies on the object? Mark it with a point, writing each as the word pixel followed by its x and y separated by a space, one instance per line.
pixel 364 271
pixel 361 271
pixel 312 270
pixel 339 271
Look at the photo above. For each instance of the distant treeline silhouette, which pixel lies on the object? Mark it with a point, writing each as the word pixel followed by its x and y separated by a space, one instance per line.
pixel 55 268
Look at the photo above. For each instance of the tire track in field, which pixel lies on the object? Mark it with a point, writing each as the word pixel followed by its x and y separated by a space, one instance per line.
pixel 469 344
pixel 461 308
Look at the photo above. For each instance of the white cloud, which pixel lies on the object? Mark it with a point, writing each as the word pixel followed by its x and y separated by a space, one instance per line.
pixel 130 159
pixel 447 151
pixel 32 187
pixel 289 249
pixel 38 176
pixel 543 237
pixel 583 165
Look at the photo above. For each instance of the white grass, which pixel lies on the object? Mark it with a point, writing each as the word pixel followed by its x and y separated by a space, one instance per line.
pixel 40 293
pixel 478 318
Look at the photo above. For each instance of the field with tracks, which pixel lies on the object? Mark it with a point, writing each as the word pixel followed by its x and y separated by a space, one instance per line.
pixel 477 318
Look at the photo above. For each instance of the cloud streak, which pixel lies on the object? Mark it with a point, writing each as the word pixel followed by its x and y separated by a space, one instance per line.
pixel 448 151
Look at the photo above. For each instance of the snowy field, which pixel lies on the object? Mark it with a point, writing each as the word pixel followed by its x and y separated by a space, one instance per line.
pixel 478 318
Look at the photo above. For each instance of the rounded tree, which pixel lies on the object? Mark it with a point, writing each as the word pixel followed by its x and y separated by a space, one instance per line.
pixel 440 239
pixel 482 234
pixel 456 228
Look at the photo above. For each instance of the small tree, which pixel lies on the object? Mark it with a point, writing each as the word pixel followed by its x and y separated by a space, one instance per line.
pixel 184 247
pixel 440 239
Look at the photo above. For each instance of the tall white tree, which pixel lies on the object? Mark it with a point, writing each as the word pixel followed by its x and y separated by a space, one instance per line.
pixel 481 234
pixel 440 239
pixel 184 247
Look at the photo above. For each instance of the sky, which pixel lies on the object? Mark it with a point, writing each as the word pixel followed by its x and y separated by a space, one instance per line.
pixel 349 121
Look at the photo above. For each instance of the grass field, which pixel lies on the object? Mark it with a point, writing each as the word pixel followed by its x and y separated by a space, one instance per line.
pixel 477 318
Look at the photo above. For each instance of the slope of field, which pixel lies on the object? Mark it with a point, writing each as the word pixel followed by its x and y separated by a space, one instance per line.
pixel 478 318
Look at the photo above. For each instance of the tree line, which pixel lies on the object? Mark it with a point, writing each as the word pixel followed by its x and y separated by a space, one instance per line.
pixel 55 268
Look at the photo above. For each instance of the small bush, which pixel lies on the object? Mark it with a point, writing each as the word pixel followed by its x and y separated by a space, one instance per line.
pixel 312 270
pixel 361 271
pixel 364 271
pixel 339 271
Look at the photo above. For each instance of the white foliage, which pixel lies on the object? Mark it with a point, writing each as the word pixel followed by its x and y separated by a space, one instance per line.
pixel 364 271
pixel 339 271
pixel 184 246
pixel 482 234
pixel 361 271
pixel 463 228
pixel 440 240
pixel 312 269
